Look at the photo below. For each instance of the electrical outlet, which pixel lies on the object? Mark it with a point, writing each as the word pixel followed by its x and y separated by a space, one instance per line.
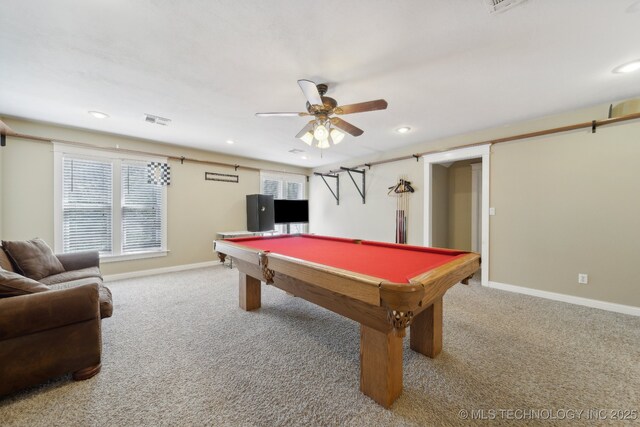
pixel 583 278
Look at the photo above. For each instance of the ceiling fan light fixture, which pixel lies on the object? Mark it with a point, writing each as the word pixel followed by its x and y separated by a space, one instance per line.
pixel 323 143
pixel 336 136
pixel 307 138
pixel 320 132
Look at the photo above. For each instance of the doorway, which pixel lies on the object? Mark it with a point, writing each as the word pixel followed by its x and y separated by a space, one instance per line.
pixel 479 220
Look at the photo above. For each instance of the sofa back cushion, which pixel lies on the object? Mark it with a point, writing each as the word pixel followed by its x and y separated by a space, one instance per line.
pixel 13 284
pixel 5 263
pixel 33 258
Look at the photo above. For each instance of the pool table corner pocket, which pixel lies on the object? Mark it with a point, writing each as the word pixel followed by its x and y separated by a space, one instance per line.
pixel 401 300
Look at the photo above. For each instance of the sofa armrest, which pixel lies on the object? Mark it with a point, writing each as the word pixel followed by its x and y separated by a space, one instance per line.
pixel 79 260
pixel 27 314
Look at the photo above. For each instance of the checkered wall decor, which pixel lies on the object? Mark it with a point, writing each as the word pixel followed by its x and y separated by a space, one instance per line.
pixel 159 173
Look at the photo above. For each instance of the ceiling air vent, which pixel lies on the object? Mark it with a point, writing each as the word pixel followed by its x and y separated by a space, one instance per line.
pixel 496 6
pixel 150 118
pixel 296 151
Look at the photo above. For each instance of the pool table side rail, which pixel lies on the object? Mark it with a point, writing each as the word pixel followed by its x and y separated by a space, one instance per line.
pixel 355 285
pixel 434 283
pixel 359 311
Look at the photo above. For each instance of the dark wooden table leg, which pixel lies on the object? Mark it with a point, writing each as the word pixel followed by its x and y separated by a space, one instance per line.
pixel 249 292
pixel 426 330
pixel 380 365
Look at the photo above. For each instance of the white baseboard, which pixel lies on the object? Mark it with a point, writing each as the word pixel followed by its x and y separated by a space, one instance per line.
pixel 602 305
pixel 141 273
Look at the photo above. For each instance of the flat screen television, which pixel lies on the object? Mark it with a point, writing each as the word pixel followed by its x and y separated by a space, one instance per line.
pixel 289 211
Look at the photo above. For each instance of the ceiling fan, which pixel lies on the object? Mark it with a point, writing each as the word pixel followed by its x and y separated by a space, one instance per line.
pixel 325 128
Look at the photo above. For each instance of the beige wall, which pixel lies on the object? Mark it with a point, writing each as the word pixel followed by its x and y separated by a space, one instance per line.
pixel 196 208
pixel 460 205
pixel 440 206
pixel 568 204
pixel 565 204
pixel 374 220
pixel 27 191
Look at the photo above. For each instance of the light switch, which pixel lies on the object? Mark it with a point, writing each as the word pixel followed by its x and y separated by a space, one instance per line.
pixel 492 211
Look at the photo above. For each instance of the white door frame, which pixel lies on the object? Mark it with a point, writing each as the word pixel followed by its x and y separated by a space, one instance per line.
pixel 483 151
pixel 476 192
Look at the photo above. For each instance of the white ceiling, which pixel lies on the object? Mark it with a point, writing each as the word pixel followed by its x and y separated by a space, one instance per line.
pixel 446 67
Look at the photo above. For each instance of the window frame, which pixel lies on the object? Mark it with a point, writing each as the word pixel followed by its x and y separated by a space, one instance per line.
pixel 62 150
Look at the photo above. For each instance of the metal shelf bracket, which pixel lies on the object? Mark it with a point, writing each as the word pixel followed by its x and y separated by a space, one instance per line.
pixel 336 194
pixel 361 172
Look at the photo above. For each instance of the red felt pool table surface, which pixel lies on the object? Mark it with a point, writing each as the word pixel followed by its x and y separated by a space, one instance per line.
pixel 388 261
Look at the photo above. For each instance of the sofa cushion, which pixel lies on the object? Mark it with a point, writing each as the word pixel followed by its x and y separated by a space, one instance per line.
pixel 106 300
pixel 5 263
pixel 34 258
pixel 13 284
pixel 74 283
pixel 69 276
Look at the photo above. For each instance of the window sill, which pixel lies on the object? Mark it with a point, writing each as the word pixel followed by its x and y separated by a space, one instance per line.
pixel 133 256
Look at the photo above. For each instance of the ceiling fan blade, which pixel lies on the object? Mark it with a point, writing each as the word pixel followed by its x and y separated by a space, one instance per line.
pixel 346 126
pixel 307 128
pixel 378 104
pixel 281 114
pixel 310 91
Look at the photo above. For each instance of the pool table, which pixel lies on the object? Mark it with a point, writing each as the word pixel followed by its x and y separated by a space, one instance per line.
pixel 385 287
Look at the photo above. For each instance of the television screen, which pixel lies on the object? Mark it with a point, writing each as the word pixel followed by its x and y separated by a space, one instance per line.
pixel 287 211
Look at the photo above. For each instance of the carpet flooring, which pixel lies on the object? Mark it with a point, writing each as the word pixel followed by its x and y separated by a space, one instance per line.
pixel 179 352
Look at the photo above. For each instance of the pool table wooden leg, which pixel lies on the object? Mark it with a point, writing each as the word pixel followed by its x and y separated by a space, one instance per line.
pixel 426 330
pixel 249 292
pixel 380 365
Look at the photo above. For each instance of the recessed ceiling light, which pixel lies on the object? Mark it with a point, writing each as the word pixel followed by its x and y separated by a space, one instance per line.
pixel 629 67
pixel 404 129
pixel 230 141
pixel 99 114
pixel 303 157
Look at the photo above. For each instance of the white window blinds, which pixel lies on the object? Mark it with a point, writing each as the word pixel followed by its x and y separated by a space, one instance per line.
pixel 295 191
pixel 272 187
pixel 87 195
pixel 141 210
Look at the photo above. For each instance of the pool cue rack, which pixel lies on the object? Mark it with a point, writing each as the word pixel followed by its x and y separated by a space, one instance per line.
pixel 401 191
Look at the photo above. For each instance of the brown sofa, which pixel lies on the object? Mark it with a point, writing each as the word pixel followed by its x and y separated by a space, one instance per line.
pixel 50 326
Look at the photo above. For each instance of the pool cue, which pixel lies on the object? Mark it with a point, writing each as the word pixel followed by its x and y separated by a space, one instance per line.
pixel 401 217
pixel 397 219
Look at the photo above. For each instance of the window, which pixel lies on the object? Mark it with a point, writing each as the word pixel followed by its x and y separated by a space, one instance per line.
pixel 284 186
pixel 141 210
pixel 105 203
pixel 87 197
